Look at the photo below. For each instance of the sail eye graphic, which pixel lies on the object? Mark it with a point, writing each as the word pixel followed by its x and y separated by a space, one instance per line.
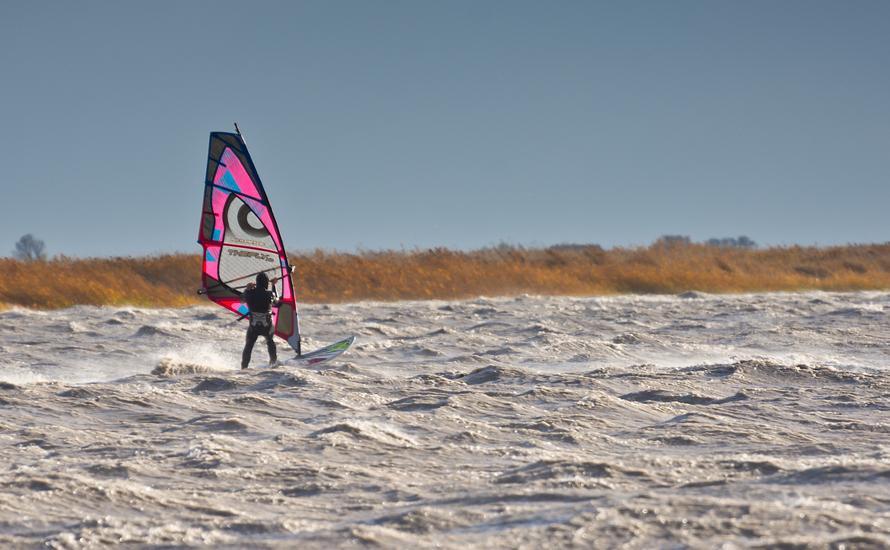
pixel 241 221
pixel 249 223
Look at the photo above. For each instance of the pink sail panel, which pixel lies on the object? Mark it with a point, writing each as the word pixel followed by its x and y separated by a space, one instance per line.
pixel 240 236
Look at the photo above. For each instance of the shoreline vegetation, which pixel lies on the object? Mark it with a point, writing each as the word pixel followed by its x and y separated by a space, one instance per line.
pixel 573 270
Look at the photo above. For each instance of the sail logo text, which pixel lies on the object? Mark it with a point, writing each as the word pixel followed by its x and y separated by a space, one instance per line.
pixel 250 254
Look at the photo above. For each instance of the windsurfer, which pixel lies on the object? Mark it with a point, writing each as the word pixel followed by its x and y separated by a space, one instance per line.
pixel 260 300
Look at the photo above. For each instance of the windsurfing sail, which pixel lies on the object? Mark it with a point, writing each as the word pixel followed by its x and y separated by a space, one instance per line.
pixel 240 235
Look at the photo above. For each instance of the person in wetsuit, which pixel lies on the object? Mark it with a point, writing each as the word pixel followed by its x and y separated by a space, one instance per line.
pixel 259 301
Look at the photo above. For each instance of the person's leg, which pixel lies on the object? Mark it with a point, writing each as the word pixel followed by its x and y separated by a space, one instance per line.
pixel 248 347
pixel 270 343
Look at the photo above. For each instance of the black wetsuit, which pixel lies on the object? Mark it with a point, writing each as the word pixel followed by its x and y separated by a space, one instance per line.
pixel 259 302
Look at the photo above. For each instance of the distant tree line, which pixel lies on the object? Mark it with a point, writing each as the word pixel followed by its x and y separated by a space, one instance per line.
pixel 673 240
pixel 732 242
pixel 741 241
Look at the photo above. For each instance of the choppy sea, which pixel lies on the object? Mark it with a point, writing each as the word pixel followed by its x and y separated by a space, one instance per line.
pixel 690 421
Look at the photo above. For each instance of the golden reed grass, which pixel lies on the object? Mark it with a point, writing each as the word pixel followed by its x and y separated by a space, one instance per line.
pixel 171 280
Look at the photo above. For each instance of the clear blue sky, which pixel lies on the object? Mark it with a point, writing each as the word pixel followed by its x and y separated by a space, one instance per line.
pixel 453 123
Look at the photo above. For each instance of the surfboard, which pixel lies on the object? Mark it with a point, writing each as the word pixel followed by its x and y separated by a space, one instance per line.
pixel 326 353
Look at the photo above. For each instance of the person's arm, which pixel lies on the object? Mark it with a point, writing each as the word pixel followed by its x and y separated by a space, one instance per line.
pixel 250 286
pixel 274 291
